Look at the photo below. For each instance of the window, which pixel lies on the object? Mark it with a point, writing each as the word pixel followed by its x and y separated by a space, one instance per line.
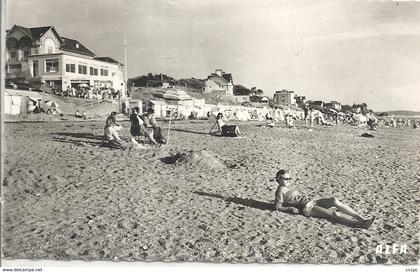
pixel 82 69
pixel 71 68
pixel 93 71
pixel 36 51
pixel 15 66
pixel 26 54
pixel 51 65
pixel 113 73
pixel 13 56
pixel 104 72
pixel 35 68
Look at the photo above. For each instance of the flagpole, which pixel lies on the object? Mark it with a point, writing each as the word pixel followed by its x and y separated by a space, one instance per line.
pixel 125 64
pixel 125 74
pixel 169 126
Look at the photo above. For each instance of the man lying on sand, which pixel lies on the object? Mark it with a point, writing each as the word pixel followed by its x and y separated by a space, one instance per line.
pixel 292 201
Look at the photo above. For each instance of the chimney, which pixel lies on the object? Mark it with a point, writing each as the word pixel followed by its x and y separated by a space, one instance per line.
pixel 219 72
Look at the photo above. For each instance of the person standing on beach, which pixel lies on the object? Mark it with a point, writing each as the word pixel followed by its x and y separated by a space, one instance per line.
pixel 311 117
pixel 306 117
pixel 292 201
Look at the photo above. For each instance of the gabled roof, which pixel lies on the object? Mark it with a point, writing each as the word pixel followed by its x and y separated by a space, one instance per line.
pixel 67 44
pixel 108 59
pixel 24 29
pixel 217 79
pixel 227 77
pixel 37 32
pixel 75 46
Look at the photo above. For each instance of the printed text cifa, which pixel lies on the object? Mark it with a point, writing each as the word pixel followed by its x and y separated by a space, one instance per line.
pixel 391 249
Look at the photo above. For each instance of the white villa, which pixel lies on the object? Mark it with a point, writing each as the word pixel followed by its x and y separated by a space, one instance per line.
pixel 41 54
pixel 219 81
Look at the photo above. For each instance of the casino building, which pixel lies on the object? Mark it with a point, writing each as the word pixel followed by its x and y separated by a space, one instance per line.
pixel 41 54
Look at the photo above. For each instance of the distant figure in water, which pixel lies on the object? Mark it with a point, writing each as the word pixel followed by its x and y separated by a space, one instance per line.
pixel 292 201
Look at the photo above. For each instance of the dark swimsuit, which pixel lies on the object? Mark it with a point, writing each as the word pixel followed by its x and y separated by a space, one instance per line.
pixel 299 204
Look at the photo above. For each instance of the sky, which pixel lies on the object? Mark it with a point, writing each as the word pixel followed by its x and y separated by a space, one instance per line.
pixel 347 51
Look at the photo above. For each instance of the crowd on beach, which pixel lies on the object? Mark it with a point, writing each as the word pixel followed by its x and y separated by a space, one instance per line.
pixel 89 92
pixel 145 125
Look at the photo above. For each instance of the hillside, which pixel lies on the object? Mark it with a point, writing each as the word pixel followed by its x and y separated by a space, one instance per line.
pixel 156 81
pixel 146 94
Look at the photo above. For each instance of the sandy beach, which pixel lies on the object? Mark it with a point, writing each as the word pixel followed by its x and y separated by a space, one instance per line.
pixel 67 198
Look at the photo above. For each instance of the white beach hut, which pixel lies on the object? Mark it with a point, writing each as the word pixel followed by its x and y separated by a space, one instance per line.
pixel 12 103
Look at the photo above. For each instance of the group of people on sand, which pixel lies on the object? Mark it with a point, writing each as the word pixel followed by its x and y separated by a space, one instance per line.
pixel 287 199
pixel 141 125
pixel 145 125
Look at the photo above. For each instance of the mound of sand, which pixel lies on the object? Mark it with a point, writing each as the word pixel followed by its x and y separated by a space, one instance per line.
pixel 203 159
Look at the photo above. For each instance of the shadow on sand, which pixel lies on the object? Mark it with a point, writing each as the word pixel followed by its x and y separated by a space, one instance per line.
pixel 189 131
pixel 89 136
pixel 241 201
pixel 78 138
pixel 252 204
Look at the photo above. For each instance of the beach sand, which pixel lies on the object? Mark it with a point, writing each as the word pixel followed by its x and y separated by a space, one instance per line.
pixel 66 198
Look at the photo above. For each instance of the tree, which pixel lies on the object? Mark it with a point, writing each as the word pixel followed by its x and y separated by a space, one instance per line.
pixel 254 90
pixel 241 90
pixel 346 108
pixel 260 92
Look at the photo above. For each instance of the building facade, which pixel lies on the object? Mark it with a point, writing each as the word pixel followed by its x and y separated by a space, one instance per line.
pixel 41 54
pixel 219 81
pixel 284 97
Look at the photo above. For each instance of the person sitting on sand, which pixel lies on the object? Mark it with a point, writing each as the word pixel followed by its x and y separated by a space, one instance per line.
pixel 225 130
pixel 269 120
pixel 135 125
pixel 372 123
pixel 111 127
pixel 80 115
pixel 289 120
pixel 138 128
pixel 292 201
pixel 152 129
